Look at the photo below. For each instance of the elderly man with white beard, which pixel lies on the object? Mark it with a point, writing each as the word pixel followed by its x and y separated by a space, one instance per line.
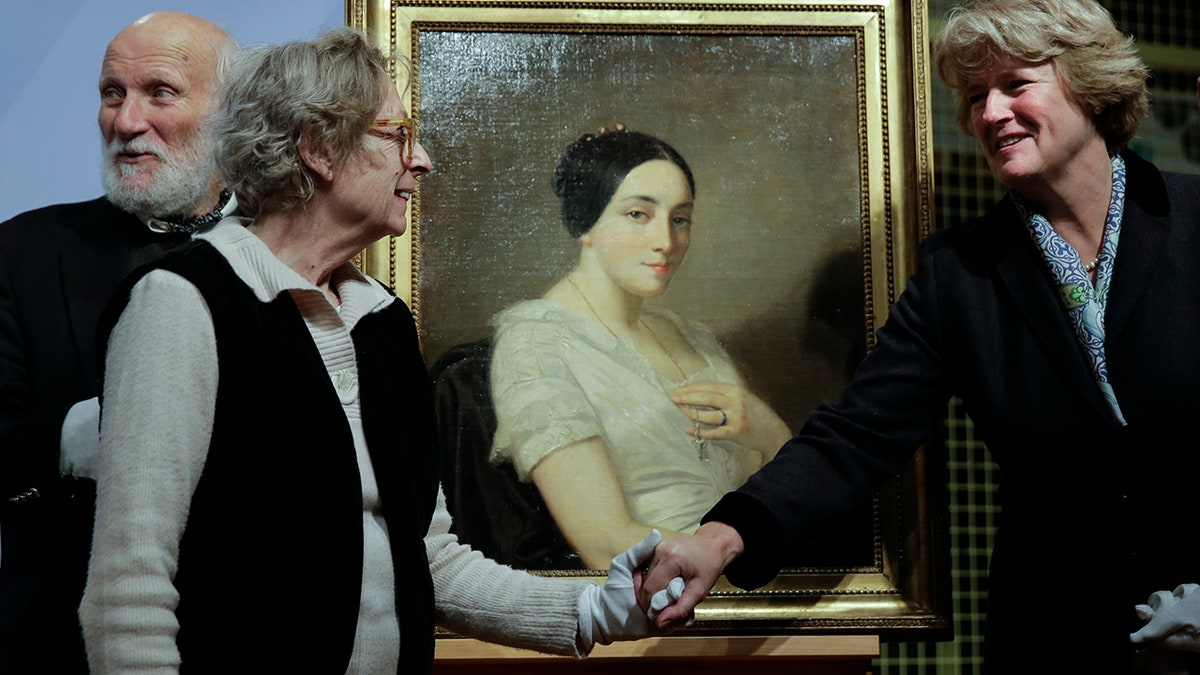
pixel 58 266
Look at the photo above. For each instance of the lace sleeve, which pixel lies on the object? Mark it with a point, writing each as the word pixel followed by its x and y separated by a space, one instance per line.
pixel 540 405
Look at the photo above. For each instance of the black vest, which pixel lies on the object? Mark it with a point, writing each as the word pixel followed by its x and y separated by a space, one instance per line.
pixel 270 564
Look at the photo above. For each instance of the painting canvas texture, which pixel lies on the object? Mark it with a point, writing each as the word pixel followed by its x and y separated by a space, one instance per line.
pixel 770 125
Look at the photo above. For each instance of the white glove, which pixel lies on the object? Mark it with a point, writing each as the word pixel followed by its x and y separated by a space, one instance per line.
pixel 609 612
pixel 1174 619
pixel 663 599
pixel 79 445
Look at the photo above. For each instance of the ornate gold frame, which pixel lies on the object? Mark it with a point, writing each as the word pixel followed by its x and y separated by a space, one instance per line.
pixel 905 594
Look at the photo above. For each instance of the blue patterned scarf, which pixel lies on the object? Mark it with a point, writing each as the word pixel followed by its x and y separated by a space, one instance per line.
pixel 1083 302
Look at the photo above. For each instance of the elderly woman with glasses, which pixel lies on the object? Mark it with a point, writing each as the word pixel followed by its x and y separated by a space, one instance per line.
pixel 268 497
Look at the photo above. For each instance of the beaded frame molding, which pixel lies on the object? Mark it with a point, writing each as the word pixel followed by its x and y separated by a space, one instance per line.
pixel 807 127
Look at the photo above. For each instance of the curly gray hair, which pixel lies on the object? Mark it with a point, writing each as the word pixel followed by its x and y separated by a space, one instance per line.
pixel 327 89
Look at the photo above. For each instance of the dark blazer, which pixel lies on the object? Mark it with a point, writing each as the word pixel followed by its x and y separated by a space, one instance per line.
pixel 58 267
pixel 1095 516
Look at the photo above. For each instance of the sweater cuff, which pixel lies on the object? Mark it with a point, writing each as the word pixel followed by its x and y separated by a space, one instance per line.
pixel 762 538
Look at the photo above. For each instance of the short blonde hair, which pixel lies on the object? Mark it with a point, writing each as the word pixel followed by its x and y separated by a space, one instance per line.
pixel 329 88
pixel 1098 64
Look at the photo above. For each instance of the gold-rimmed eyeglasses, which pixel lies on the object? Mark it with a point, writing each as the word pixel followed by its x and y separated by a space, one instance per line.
pixel 406 132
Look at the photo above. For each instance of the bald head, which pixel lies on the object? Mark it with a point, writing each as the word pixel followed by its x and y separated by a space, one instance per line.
pixel 158 84
pixel 190 36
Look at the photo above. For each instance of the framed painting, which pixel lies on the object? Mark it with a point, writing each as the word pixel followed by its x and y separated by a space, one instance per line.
pixel 806 128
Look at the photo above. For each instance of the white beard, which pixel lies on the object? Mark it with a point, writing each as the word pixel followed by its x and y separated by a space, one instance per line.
pixel 175 186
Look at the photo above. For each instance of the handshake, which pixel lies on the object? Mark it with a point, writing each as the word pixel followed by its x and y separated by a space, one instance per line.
pixel 610 612
pixel 654 586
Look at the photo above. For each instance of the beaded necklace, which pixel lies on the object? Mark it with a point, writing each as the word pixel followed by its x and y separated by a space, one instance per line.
pixel 193 224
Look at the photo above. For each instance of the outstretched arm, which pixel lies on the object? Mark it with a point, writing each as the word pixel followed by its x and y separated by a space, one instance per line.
pixel 582 491
pixel 699 559
pixel 478 597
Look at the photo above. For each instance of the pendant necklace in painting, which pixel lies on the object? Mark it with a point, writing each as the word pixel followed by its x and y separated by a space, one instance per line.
pixel 698 440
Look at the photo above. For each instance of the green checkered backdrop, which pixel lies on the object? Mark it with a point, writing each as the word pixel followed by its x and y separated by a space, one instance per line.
pixel 1168 32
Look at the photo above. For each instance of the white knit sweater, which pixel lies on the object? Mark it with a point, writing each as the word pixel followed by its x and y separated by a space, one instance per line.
pixel 159 399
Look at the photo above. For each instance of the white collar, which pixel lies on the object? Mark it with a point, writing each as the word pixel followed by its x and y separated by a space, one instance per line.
pixel 268 276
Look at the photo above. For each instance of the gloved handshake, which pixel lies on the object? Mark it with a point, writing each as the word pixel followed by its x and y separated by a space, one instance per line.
pixel 609 612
